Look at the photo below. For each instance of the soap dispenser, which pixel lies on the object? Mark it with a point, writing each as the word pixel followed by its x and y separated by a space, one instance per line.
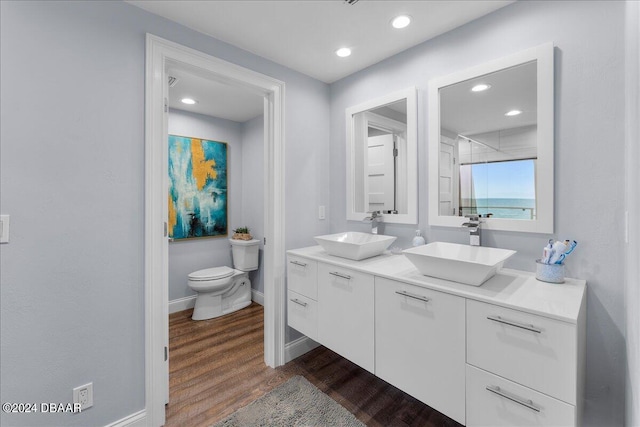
pixel 418 240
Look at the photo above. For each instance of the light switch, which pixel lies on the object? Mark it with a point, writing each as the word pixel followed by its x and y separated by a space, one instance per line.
pixel 321 214
pixel 4 228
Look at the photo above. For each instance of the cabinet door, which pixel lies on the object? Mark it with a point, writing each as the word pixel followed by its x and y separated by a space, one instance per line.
pixel 531 350
pixel 494 401
pixel 420 344
pixel 302 276
pixel 302 314
pixel 345 313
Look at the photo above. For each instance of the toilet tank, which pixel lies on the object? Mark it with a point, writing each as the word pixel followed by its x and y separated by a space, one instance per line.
pixel 245 254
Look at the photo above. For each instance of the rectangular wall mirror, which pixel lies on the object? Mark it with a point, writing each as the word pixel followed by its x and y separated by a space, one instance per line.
pixel 491 143
pixel 382 158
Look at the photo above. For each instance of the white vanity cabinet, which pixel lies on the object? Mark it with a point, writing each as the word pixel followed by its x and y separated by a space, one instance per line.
pixel 420 344
pixel 508 353
pixel 345 313
pixel 302 299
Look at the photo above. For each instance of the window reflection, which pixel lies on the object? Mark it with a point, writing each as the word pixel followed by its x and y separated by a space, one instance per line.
pixel 499 189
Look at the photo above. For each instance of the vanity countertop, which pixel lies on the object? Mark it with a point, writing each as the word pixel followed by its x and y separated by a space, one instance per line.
pixel 509 288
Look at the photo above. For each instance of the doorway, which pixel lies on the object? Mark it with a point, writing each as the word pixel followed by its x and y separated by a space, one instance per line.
pixel 160 56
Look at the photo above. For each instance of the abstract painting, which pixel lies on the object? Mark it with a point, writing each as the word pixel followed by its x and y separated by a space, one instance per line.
pixel 197 188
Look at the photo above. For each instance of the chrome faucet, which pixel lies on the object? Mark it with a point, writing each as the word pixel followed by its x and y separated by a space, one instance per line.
pixel 474 229
pixel 375 219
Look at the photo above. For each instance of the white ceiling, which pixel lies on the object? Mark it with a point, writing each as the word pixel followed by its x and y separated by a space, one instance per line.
pixel 303 35
pixel 213 98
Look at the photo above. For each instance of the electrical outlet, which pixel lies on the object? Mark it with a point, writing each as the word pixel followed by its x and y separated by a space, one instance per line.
pixel 4 228
pixel 84 395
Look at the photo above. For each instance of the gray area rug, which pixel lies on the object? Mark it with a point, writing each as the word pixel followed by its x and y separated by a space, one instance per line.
pixel 294 403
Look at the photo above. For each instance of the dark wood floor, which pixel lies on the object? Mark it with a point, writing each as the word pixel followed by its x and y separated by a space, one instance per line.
pixel 217 366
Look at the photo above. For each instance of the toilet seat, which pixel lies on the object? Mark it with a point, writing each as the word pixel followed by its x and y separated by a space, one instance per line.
pixel 211 274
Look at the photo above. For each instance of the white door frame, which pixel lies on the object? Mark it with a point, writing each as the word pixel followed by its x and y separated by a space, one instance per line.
pixel 160 53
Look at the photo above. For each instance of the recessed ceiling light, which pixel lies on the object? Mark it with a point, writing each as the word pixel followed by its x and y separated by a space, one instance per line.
pixel 480 87
pixel 343 52
pixel 401 21
pixel 188 101
pixel 513 113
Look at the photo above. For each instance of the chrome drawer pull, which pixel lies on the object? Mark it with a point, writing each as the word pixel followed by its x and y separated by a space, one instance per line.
pixel 516 324
pixel 414 296
pixel 527 403
pixel 344 276
pixel 297 301
pixel 301 264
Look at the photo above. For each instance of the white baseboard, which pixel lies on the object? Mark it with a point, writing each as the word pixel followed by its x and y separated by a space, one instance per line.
pixel 139 419
pixel 298 347
pixel 257 296
pixel 181 304
pixel 186 303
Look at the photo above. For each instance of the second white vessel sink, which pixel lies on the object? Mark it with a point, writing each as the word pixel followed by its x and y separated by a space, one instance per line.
pixel 471 265
pixel 354 245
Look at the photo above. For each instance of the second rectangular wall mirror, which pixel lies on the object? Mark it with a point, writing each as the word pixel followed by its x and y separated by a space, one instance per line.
pixel 491 144
pixel 382 158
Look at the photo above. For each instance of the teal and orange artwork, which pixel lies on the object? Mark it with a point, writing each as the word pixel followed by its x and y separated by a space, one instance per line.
pixel 197 188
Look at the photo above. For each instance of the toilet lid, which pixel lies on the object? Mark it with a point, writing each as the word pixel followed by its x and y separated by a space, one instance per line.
pixel 211 273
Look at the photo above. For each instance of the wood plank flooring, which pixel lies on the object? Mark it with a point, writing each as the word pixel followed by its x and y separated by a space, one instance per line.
pixel 217 366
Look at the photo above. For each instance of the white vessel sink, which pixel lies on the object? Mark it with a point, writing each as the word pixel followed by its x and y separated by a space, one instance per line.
pixel 354 245
pixel 471 265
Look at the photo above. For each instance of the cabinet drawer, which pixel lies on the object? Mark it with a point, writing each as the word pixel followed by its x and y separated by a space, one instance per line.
pixel 345 313
pixel 494 401
pixel 302 314
pixel 302 276
pixel 419 344
pixel 531 350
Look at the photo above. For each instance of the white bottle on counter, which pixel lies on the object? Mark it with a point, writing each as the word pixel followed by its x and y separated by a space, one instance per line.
pixel 418 240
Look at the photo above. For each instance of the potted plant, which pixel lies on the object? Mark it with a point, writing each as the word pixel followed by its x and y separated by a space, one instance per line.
pixel 242 233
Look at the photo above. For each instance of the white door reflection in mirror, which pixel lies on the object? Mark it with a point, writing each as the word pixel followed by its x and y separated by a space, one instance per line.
pixel 382 158
pixel 448 178
pixel 491 143
pixel 382 184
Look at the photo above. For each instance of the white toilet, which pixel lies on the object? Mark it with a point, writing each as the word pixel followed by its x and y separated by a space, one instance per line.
pixel 223 290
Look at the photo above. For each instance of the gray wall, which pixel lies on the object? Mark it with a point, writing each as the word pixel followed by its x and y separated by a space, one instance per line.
pixel 632 155
pixel 589 137
pixel 252 213
pixel 72 179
